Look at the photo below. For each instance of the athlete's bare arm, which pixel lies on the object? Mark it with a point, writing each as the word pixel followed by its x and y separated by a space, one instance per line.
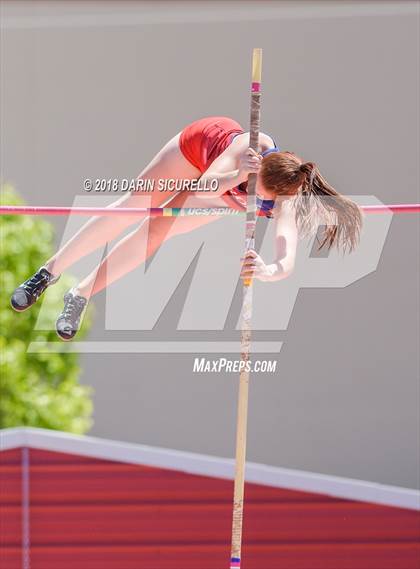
pixel 286 238
pixel 234 165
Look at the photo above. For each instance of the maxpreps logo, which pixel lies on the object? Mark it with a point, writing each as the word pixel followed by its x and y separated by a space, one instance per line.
pixel 187 297
pixel 223 365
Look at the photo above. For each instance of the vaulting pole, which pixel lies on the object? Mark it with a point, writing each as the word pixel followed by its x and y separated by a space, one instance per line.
pixel 242 417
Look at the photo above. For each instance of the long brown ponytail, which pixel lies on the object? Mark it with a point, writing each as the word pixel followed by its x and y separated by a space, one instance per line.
pixel 319 203
pixel 316 202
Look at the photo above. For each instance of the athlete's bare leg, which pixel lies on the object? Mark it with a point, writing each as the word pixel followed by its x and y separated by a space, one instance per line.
pixel 168 163
pixel 130 252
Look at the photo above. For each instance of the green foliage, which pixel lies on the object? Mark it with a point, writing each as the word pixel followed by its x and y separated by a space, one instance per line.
pixel 36 389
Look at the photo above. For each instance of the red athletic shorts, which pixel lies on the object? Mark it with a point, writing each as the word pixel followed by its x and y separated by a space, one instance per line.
pixel 204 140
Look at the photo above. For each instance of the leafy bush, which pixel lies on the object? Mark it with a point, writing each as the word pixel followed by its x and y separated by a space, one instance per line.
pixel 36 389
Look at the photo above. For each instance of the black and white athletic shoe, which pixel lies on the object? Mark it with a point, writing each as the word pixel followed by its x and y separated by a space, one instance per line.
pixel 68 322
pixel 28 292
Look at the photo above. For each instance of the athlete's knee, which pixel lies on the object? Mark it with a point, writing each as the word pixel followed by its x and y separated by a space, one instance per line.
pixel 134 199
pixel 138 199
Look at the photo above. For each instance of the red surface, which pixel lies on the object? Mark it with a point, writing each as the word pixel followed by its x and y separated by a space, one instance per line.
pixel 94 514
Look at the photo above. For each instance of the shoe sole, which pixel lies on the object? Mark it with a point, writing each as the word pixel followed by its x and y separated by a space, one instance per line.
pixel 63 338
pixel 20 309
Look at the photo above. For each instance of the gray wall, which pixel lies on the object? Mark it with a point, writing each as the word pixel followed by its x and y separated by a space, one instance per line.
pixel 341 87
